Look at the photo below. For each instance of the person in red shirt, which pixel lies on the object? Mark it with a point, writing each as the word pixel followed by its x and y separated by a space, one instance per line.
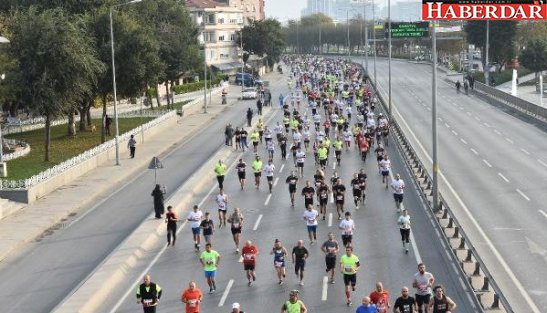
pixel 380 297
pixel 192 298
pixel 249 253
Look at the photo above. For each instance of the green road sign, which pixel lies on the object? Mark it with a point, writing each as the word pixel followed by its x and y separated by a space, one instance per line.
pixel 408 29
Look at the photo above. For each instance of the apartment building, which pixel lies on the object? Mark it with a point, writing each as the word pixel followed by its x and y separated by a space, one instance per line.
pixel 253 10
pixel 219 25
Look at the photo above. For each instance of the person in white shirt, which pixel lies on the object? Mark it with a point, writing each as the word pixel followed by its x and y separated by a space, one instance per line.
pixel 300 158
pixel 222 202
pixel 423 281
pixel 310 216
pixel 385 166
pixel 307 136
pixel 347 226
pixel 398 186
pixel 268 172
pixel 297 138
pixel 194 217
pixel 317 121
pixel 347 138
pixel 404 228
pixel 278 129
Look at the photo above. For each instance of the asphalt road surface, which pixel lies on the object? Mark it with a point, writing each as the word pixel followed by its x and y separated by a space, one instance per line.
pixel 494 175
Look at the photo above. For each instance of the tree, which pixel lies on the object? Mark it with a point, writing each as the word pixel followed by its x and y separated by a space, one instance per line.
pixel 502 35
pixel 534 56
pixel 265 38
pixel 56 59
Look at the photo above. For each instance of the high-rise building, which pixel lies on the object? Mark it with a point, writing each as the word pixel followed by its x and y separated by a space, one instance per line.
pixel 318 6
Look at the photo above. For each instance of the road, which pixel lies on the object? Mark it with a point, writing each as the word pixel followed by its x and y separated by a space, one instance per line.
pixel 268 217
pixel 494 175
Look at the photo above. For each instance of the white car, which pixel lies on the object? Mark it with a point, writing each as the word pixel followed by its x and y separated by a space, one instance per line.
pixel 248 93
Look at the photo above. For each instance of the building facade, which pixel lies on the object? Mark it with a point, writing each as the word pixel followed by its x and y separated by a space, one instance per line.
pixel 253 10
pixel 219 25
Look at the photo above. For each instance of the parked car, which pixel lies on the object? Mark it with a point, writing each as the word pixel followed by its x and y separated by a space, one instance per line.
pixel 249 93
pixel 245 79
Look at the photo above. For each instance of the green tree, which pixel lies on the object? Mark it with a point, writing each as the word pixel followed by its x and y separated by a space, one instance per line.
pixel 56 59
pixel 502 35
pixel 265 38
pixel 534 56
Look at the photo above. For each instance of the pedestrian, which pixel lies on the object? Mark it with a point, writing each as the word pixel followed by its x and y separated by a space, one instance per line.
pixel 330 248
pixel 192 298
pixel 159 197
pixel 237 135
pixel 249 117
pixel 229 134
pixel 132 145
pixel 441 303
pixel 299 256
pixel 220 171
pixel 194 217
pixel 404 229
pixel 259 105
pixel 107 124
pixel 349 266
pixel 244 134
pixel 405 303
pixel 236 223
pixel 423 281
pixel 249 254
pixel 210 260
pixel 380 297
pixel 236 308
pixel 148 295
pixel 171 220
pixel 366 306
pixel 294 305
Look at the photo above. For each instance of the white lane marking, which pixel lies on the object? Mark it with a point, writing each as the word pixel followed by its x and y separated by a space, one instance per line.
pixel 542 213
pixel 268 199
pixel 503 177
pixel 455 133
pixel 523 194
pixel 225 294
pixel 486 162
pixel 440 119
pixel 509 140
pixel 447 126
pixel 468 113
pixel 257 222
pixel 474 151
pixel 464 207
pixel 486 124
pixel 240 259
pixel 334 165
pixel 325 288
pixel 477 118
pixel 497 131
pixel 463 140
pixel 275 181
pixel 332 198
pixel 330 220
pixel 524 150
pixel 542 163
pixel 281 168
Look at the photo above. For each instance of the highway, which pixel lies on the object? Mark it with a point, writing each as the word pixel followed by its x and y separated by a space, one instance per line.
pixel 493 174
pixel 377 243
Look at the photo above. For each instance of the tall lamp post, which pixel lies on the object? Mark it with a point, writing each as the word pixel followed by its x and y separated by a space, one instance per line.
pixel 116 126
pixel 389 55
pixel 2 164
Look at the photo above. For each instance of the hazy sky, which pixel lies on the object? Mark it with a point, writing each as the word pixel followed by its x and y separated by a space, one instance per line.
pixel 284 9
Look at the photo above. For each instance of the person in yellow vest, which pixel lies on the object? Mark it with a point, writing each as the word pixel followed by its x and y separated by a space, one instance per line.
pixel 340 121
pixel 255 138
pixel 322 154
pixel 326 143
pixel 338 144
pixel 286 123
pixel 257 170
pixel 294 124
pixel 294 305
pixel 148 294
pixel 260 128
pixel 220 170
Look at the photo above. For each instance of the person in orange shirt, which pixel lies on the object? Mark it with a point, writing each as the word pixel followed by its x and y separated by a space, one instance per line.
pixel 380 297
pixel 192 298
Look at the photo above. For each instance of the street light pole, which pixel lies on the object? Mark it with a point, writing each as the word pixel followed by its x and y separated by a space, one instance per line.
pixel 389 56
pixel 374 39
pixel 366 35
pixel 242 64
pixel 347 23
pixel 116 125
pixel 487 66
pixel 435 185
pixel 204 77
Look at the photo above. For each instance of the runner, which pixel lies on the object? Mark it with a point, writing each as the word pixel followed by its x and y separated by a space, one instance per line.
pixel 310 216
pixel 349 266
pixel 292 180
pixel 356 190
pixel 300 158
pixel 385 166
pixel 192 298
pixel 380 297
pixel 220 171
pixel 299 256
pixel 279 253
pixel 347 226
pixel 323 192
pixel 171 220
pixel 347 138
pixel 323 155
pixel 148 295
pixel 270 147
pixel 330 248
pixel 380 152
pixel 339 191
pixel 257 169
pixel 222 202
pixel 367 306
pixel 255 138
pixel 362 176
pixel 294 305
pixel 441 303
pixel 398 186
pixel 194 217
pixel 241 168
pixel 308 192
pixel 244 134
pixel 249 254
pixel 405 303
pixel 423 281
pixel 338 145
pixel 269 170
pixel 208 227
pixel 209 260
pixel 404 228
pixel 307 135
pixel 236 221
pixel 283 146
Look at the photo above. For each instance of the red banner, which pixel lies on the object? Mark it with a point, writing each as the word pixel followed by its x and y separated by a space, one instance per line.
pixel 485 10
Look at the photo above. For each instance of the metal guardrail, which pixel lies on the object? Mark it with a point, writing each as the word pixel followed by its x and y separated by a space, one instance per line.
pixel 487 293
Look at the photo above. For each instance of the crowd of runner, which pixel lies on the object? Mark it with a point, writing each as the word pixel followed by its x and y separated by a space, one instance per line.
pixel 330 109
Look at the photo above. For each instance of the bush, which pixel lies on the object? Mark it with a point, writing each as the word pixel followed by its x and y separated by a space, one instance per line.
pixel 189 87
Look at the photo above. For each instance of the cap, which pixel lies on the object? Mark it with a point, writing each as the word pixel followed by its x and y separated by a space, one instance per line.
pixel 235 305
pixel 294 292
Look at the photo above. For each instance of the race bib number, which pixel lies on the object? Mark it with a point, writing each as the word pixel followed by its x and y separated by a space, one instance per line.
pixel 278 264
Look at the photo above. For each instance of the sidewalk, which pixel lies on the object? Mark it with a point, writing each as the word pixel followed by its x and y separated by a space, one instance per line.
pixel 47 214
pixel 525 92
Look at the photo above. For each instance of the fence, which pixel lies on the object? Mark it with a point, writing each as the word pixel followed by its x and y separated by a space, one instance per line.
pixel 487 293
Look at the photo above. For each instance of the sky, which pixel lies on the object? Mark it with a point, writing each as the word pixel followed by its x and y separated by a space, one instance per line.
pixel 284 10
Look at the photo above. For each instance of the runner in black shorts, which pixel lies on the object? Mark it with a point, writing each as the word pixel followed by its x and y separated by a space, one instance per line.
pixel 323 191
pixel 330 248
pixel 241 167
pixel 308 193
pixel 356 188
pixel 292 180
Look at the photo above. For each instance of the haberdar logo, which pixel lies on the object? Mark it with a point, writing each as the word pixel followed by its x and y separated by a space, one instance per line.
pixel 527 10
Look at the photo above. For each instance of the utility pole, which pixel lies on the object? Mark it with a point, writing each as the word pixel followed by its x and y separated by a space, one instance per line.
pixel 435 182
pixel 487 65
pixel 389 56
pixel 374 38
pixel 347 23
pixel 366 35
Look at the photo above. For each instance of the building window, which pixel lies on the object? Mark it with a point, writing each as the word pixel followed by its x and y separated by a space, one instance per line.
pixel 208 36
pixel 210 19
pixel 233 37
pixel 221 20
pixel 221 38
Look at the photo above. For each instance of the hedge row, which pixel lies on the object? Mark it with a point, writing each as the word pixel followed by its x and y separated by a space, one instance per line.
pixel 189 87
